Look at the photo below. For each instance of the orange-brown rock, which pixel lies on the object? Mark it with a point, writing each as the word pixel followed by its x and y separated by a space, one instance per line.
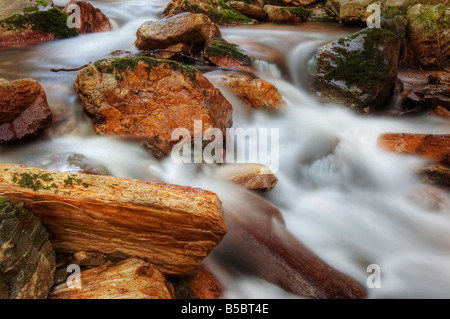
pixel 255 93
pixel 28 36
pixel 24 110
pixel 441 112
pixel 277 14
pixel 129 279
pixel 433 147
pixel 189 28
pixel 205 285
pixel 171 53
pixel 251 176
pixel 173 227
pixel 227 55
pixel 148 98
pixel 91 19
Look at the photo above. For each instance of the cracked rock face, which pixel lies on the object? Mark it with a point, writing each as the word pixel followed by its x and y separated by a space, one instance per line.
pixel 24 110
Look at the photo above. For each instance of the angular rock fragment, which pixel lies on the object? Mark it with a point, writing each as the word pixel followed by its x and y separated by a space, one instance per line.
pixel 250 176
pixel 173 227
pixel 27 259
pixel 24 110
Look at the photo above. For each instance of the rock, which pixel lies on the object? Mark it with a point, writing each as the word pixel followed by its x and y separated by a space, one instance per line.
pixel 255 93
pixel 438 175
pixel 67 162
pixel 35 25
pixel 354 11
pixel 429 35
pixel 227 55
pixel 92 19
pixel 200 284
pixel 289 3
pixel 320 13
pixel 89 258
pixel 173 52
pixel 27 259
pixel 173 227
pixel 24 110
pixel 218 11
pixel 147 98
pixel 428 97
pixel 130 279
pixel 188 28
pixel 358 71
pixel 10 8
pixel 249 10
pixel 250 176
pixel 277 14
pixel 440 112
pixel 433 147
pixel 258 243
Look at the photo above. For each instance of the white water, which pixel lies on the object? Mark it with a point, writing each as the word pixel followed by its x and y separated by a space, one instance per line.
pixel 350 203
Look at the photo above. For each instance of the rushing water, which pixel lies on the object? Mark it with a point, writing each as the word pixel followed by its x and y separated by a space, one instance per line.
pixel 349 202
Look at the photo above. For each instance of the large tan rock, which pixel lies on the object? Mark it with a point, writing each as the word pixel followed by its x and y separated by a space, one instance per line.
pixel 249 10
pixel 277 14
pixel 129 279
pixel 147 98
pixel 251 176
pixel 24 110
pixel 27 259
pixel 10 8
pixel 188 28
pixel 173 227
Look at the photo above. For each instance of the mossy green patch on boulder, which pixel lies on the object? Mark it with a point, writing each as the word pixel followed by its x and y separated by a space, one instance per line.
pixel 217 10
pixel 358 70
pixel 52 21
pixel 225 49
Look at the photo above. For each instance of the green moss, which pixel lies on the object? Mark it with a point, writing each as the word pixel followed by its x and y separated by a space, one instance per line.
pixel 72 178
pixel 120 65
pixel 34 181
pixel 219 48
pixel 226 14
pixel 47 177
pixel 52 21
pixel 85 185
pixel 42 3
pixel 365 67
pixel 297 11
pixel 3 202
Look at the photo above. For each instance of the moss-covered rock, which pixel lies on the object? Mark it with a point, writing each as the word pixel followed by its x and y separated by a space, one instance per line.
pixel 358 71
pixel 225 54
pixel 277 14
pixel 217 10
pixel 428 35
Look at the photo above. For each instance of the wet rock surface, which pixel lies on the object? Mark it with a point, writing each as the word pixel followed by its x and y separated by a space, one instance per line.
pixel 24 111
pixel 92 19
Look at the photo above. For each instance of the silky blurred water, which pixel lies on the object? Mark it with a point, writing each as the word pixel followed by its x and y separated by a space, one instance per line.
pixel 349 202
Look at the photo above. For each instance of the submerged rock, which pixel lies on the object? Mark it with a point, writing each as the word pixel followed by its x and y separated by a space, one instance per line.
pixel 27 259
pixel 92 19
pixel 147 98
pixel 279 14
pixel 255 93
pixel 218 11
pixel 358 71
pixel 24 110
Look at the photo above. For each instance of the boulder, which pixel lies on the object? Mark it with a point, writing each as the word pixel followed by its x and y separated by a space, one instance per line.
pixel 148 98
pixel 92 19
pixel 354 11
pixel 251 176
pixel 27 259
pixel 434 147
pixel 358 71
pixel 428 34
pixel 129 279
pixel 188 28
pixel 173 227
pixel 35 25
pixel 218 11
pixel 438 175
pixel 10 8
pixel 277 14
pixel 441 112
pixel 428 97
pixel 24 110
pixel 200 284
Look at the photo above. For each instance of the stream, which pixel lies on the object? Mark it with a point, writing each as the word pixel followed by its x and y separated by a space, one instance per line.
pixel 349 202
